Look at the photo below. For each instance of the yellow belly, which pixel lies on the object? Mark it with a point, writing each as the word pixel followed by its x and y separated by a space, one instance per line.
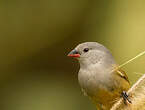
pixel 105 99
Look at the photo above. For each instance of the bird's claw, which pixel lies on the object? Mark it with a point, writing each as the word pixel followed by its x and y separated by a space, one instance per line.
pixel 125 97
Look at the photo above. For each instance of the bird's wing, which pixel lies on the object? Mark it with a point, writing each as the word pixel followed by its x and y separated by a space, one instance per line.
pixel 122 74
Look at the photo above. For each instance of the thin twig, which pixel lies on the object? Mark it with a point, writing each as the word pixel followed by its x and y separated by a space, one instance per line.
pixel 139 55
pixel 137 96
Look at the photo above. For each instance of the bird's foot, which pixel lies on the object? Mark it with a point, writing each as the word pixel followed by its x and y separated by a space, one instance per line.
pixel 126 98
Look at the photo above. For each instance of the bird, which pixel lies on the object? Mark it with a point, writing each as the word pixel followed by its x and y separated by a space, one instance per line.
pixel 99 76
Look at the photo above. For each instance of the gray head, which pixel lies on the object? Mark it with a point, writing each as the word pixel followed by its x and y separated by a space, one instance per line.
pixel 89 53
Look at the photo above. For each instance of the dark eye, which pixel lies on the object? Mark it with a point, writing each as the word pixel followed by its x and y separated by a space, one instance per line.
pixel 86 50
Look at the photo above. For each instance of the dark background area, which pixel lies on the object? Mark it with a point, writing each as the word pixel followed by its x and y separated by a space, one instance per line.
pixel 36 36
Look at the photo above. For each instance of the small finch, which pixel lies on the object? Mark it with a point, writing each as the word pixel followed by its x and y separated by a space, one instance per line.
pixel 99 77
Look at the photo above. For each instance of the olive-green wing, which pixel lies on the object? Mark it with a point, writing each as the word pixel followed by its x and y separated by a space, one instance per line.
pixel 122 74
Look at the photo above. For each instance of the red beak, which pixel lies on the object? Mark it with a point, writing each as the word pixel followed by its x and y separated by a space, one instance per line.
pixel 74 53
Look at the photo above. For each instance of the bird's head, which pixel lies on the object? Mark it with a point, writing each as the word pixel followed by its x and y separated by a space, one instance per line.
pixel 92 53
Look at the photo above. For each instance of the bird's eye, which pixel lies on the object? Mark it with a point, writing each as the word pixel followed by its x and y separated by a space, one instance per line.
pixel 86 50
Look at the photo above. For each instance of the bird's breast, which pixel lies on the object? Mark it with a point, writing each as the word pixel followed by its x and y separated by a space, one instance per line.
pixel 92 79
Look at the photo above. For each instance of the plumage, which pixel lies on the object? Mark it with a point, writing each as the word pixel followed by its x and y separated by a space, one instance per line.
pixel 99 76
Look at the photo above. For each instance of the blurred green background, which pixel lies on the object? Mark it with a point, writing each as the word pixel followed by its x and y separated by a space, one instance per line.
pixel 36 36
